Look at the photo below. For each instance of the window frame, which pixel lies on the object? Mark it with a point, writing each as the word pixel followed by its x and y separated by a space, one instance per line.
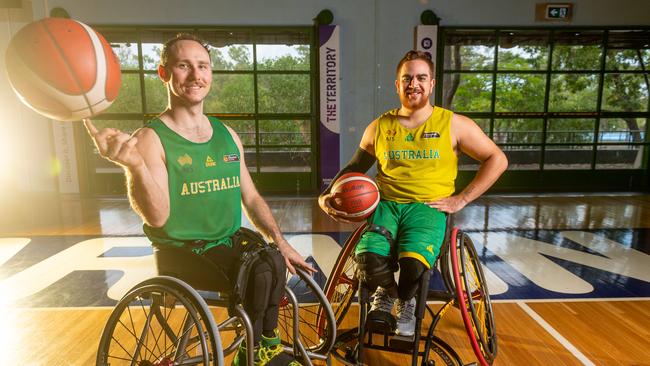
pixel 299 180
pixel 543 178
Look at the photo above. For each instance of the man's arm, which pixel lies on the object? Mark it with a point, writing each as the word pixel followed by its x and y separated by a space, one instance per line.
pixel 148 187
pixel 142 158
pixel 362 160
pixel 259 213
pixel 470 139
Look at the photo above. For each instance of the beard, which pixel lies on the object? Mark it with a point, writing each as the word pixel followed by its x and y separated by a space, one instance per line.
pixel 420 101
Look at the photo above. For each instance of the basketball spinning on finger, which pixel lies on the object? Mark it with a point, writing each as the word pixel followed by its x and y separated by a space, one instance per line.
pixel 355 194
pixel 63 69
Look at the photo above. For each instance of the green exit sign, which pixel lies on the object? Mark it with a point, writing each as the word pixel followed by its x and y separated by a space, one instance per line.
pixel 558 11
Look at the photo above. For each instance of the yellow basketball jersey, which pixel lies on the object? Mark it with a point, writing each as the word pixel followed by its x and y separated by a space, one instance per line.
pixel 415 165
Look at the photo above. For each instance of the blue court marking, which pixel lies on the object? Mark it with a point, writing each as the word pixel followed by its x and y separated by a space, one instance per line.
pixel 89 287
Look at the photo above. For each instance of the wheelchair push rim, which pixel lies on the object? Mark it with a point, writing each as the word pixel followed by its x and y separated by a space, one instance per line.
pixel 160 322
pixel 342 284
pixel 472 297
pixel 315 340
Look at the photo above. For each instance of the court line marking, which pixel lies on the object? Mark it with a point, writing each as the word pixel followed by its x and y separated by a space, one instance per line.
pixel 430 302
pixel 577 299
pixel 555 334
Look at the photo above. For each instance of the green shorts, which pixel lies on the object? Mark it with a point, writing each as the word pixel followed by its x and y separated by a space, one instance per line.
pixel 418 228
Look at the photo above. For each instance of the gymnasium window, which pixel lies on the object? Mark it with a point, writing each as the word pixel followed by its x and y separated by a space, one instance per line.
pixel 554 99
pixel 262 87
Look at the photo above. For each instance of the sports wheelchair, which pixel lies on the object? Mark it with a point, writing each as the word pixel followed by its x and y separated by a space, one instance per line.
pixel 186 315
pixel 464 288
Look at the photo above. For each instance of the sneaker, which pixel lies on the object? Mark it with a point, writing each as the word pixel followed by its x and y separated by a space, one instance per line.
pixel 275 356
pixel 382 301
pixel 240 356
pixel 405 317
pixel 379 317
pixel 269 353
pixel 271 341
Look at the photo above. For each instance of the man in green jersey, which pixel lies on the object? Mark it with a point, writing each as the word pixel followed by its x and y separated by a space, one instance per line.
pixel 188 180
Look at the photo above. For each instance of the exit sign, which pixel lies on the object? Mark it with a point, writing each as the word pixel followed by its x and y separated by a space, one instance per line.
pixel 554 12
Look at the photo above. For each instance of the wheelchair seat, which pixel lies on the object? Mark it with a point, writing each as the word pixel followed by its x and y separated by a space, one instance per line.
pixel 195 270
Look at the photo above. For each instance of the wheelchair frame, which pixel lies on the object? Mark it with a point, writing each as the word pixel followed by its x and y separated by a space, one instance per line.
pixel 465 288
pixel 166 336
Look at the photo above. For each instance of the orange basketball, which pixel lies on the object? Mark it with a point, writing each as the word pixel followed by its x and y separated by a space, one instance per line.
pixel 355 194
pixel 63 69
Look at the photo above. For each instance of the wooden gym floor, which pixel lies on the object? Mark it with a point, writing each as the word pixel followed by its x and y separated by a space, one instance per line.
pixel 569 274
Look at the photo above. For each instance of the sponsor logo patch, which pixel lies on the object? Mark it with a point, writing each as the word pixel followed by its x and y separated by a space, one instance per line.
pixel 209 162
pixel 431 135
pixel 229 158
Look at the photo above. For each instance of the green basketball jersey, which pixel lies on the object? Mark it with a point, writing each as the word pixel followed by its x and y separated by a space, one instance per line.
pixel 204 188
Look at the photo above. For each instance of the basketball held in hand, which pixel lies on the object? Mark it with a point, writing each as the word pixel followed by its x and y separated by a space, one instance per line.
pixel 355 194
pixel 63 69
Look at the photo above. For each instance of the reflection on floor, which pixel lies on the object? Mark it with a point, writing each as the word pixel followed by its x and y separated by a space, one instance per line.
pixel 532 248
pixel 580 264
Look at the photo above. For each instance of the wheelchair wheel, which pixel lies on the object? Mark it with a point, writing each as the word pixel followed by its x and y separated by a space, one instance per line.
pixel 161 321
pixel 342 284
pixel 312 303
pixel 473 297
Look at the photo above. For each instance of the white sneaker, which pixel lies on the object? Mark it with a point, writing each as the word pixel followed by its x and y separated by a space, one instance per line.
pixel 382 301
pixel 405 317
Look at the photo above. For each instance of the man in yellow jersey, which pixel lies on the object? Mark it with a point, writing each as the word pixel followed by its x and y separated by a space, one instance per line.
pixel 416 149
pixel 188 180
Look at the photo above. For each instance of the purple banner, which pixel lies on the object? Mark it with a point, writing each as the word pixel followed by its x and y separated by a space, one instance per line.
pixel 329 60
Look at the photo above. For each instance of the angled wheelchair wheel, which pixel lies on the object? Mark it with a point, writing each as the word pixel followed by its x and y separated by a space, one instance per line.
pixel 311 303
pixel 342 284
pixel 472 297
pixel 160 322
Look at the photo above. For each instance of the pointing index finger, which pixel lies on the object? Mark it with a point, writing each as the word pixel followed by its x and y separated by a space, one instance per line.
pixel 92 130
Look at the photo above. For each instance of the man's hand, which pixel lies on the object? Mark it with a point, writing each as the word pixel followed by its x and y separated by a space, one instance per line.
pixel 449 204
pixel 293 258
pixel 116 146
pixel 324 201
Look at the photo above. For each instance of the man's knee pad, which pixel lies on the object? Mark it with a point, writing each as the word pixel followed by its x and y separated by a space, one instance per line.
pixel 279 269
pixel 252 261
pixel 259 288
pixel 374 270
pixel 410 272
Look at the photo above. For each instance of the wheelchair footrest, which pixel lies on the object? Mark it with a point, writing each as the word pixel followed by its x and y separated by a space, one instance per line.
pixel 380 322
pixel 402 343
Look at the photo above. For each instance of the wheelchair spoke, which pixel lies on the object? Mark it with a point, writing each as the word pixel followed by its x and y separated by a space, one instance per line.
pixel 140 343
pixel 344 279
pixel 148 327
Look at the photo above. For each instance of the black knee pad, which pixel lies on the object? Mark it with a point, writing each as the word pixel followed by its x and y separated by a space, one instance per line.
pixel 278 265
pixel 374 270
pixel 254 261
pixel 410 272
pixel 260 286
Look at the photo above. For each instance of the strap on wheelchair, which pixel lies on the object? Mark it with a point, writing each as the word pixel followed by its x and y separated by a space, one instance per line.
pixel 391 241
pixel 382 231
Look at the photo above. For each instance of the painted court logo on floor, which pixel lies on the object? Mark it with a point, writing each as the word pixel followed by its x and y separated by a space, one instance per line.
pixel 65 271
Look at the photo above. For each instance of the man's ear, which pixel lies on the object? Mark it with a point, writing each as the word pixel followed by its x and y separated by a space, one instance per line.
pixel 162 73
pixel 397 86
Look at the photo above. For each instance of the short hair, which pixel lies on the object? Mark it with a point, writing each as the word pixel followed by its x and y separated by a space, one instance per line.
pixel 416 55
pixel 164 55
